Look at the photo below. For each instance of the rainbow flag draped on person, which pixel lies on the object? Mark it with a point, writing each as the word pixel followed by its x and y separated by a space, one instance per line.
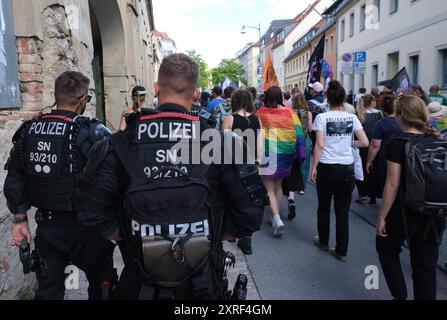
pixel 441 124
pixel 284 141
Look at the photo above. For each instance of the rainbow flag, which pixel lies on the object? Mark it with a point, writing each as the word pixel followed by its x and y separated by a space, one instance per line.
pixel 441 124
pixel 284 141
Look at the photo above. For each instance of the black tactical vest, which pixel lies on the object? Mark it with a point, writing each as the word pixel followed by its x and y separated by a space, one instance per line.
pixel 50 159
pixel 168 192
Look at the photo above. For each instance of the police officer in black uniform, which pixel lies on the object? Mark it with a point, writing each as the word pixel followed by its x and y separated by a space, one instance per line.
pixel 49 152
pixel 164 203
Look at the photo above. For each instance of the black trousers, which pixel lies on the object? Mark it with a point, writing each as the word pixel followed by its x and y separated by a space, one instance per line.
pixel 424 252
pixel 295 182
pixel 60 245
pixel 368 187
pixel 335 181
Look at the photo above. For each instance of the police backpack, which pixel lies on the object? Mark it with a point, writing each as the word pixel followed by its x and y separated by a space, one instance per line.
pixel 168 210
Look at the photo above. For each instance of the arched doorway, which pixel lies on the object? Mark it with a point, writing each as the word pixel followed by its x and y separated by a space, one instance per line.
pixel 109 63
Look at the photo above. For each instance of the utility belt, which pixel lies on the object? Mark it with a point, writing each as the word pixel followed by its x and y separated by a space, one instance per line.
pixel 179 268
pixel 56 218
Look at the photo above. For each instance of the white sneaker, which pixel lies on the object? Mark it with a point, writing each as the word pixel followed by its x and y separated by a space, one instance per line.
pixel 278 229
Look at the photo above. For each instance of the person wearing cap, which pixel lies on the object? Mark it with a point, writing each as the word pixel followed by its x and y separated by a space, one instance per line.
pixel 216 99
pixel 316 105
pixel 138 101
pixel 438 115
pixel 316 92
pixel 436 97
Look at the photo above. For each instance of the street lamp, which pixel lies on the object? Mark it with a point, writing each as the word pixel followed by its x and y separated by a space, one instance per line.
pixel 244 31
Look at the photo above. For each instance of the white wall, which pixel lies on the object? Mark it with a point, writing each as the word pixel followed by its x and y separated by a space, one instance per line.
pixel 278 58
pixel 311 20
pixel 303 28
pixel 416 28
pixel 252 72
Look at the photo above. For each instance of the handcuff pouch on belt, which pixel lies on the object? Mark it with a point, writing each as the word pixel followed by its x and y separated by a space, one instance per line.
pixel 171 261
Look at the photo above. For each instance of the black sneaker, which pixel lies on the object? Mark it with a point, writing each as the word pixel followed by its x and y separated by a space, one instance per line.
pixel 373 204
pixel 292 210
pixel 338 256
pixel 320 245
pixel 245 245
pixel 361 199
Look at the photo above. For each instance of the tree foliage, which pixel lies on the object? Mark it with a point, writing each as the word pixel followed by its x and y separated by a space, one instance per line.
pixel 227 68
pixel 204 71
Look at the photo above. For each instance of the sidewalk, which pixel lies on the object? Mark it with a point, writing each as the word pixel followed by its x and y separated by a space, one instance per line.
pixel 240 268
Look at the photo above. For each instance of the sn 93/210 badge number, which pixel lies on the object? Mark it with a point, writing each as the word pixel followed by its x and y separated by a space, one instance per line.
pixel 44 158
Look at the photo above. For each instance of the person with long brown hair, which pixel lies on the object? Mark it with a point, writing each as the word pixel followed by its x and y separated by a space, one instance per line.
pixel 397 221
pixel 246 123
pixel 284 142
pixel 368 116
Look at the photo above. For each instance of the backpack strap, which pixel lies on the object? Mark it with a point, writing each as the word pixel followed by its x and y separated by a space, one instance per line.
pixel 120 143
pixel 401 194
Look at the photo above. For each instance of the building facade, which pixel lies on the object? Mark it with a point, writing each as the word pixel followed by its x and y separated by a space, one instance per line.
pixel 297 63
pixel 267 40
pixel 394 34
pixel 305 22
pixel 163 46
pixel 279 52
pixel 248 57
pixel 165 43
pixel 107 40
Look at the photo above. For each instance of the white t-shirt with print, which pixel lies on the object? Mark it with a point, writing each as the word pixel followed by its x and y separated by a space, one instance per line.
pixel 338 128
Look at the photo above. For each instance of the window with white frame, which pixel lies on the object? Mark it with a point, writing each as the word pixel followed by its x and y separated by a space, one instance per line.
pixel 414 69
pixel 394 6
pixel 351 24
pixel 375 75
pixel 342 30
pixel 377 9
pixel 443 61
pixel 362 17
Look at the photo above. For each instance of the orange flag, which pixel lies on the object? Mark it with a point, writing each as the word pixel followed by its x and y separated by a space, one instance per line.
pixel 270 78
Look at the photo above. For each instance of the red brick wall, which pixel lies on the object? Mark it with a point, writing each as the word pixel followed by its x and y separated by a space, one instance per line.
pixel 30 73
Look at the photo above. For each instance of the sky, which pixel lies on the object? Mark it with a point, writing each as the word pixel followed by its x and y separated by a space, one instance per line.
pixel 213 27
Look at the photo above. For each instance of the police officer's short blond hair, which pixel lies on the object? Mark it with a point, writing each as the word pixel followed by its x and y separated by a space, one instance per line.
pixel 179 74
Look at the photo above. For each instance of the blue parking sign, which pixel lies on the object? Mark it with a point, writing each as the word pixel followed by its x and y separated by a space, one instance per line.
pixel 360 56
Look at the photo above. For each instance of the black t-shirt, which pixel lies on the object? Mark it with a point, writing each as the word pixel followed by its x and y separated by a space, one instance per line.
pixel 395 150
pixel 417 223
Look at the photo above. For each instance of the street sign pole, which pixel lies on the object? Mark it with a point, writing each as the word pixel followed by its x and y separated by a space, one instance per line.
pixel 352 64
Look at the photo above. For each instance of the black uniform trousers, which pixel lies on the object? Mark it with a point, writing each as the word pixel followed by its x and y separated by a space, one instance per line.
pixel 424 252
pixel 335 181
pixel 64 244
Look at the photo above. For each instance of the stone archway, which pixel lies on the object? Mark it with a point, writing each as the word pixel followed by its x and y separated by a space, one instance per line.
pixel 109 19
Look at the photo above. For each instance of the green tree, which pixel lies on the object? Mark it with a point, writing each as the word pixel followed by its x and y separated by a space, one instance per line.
pixel 204 71
pixel 227 68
